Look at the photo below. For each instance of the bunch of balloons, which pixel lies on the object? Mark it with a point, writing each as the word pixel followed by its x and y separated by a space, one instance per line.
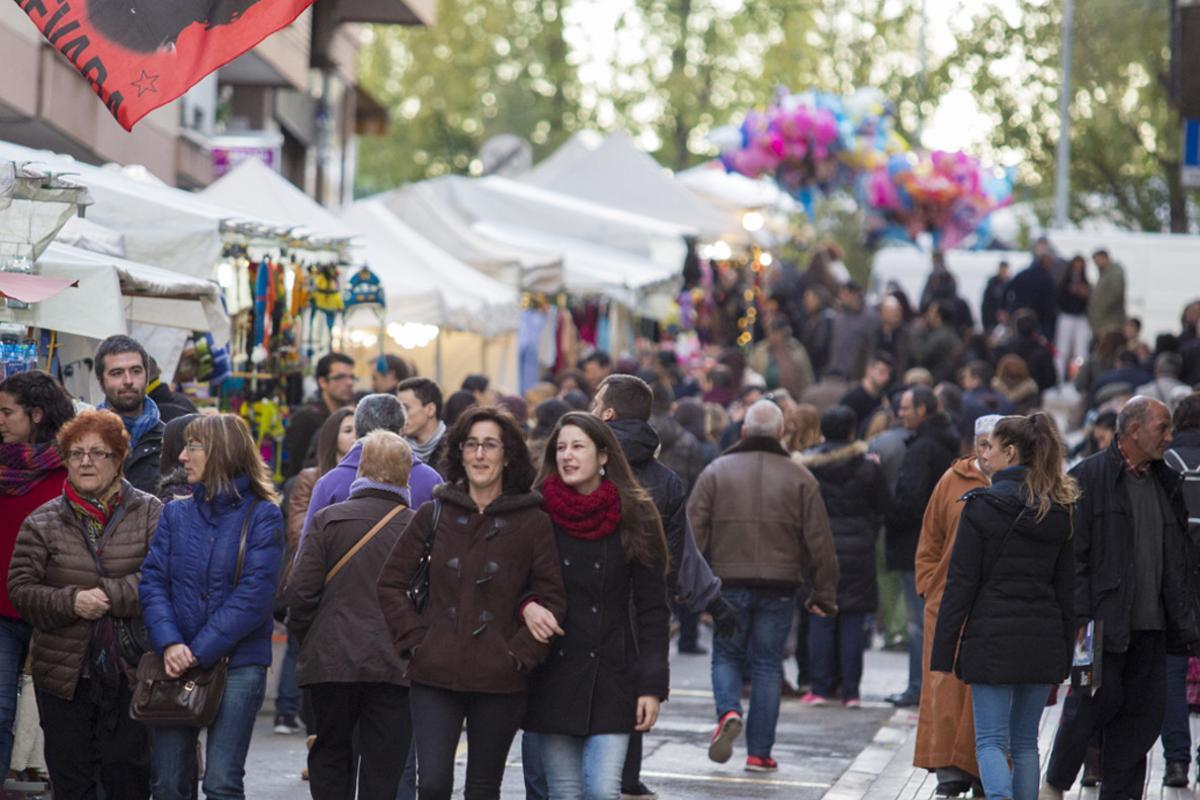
pixel 811 142
pixel 948 195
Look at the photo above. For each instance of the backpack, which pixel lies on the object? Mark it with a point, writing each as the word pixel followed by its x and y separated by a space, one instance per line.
pixel 1189 486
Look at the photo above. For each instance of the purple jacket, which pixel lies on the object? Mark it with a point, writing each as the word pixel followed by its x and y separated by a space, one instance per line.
pixel 334 487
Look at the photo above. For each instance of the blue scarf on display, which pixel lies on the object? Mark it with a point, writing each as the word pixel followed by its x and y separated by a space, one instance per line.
pixel 139 425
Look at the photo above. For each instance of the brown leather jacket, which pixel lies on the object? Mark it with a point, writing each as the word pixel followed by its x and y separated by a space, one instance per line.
pixel 759 518
pixel 52 562
pixel 470 637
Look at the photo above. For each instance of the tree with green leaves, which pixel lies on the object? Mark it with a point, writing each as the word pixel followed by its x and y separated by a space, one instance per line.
pixel 487 67
pixel 1125 136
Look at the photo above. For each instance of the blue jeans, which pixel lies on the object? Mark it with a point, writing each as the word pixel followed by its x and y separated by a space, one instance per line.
pixel 915 604
pixel 1006 726
pixel 831 639
pixel 173 754
pixel 584 767
pixel 1176 735
pixel 766 616
pixel 532 766
pixel 14 646
pixel 287 696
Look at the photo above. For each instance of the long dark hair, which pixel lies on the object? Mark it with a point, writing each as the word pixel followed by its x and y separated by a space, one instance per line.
pixel 1040 450
pixel 642 537
pixel 327 436
pixel 518 468
pixel 36 389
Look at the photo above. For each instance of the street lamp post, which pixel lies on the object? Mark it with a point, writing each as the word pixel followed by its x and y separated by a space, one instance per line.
pixel 1062 175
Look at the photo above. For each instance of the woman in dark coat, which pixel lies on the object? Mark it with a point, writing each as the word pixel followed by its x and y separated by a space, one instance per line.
pixel 607 675
pixel 1011 583
pixel 493 549
pixel 354 675
pixel 856 497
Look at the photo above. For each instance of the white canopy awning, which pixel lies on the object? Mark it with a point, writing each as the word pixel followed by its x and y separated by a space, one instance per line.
pixel 615 173
pixel 505 202
pixel 423 283
pixel 254 189
pixel 424 208
pixel 114 293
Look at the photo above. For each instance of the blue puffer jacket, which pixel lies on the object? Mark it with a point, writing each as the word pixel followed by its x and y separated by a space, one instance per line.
pixel 187 590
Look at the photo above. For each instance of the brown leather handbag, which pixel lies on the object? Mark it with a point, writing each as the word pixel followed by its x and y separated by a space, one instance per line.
pixel 193 698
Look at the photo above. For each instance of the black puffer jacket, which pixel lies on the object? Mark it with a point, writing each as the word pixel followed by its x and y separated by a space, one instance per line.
pixel 1105 575
pixel 1013 590
pixel 928 456
pixel 856 497
pixel 640 442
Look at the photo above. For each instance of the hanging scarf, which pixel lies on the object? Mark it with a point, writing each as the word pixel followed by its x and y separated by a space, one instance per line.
pixel 139 425
pixel 23 465
pixel 582 516
pixel 93 514
pixel 424 451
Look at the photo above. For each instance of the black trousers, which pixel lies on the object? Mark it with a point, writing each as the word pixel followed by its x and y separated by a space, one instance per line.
pixel 81 744
pixel 1127 709
pixel 492 721
pixel 375 716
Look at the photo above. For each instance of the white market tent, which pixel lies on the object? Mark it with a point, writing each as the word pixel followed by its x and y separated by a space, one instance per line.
pixel 114 293
pixel 503 201
pixel 254 189
pixel 423 283
pixel 1161 274
pixel 736 193
pixel 424 208
pixel 591 268
pixel 614 172
pixel 161 225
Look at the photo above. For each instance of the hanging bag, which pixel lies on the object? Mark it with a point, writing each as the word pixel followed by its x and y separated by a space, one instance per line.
pixel 418 588
pixel 192 698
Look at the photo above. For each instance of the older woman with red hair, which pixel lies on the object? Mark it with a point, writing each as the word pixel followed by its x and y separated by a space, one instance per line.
pixel 74 578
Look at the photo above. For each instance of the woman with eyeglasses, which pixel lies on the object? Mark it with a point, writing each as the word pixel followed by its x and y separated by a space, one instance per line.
pixel 74 577
pixel 33 407
pixel 206 597
pixel 492 550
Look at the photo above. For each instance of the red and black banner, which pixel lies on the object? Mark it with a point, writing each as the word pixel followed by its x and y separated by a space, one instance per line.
pixel 139 54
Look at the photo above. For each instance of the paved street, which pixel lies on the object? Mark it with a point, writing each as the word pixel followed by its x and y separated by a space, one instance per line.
pixel 814 746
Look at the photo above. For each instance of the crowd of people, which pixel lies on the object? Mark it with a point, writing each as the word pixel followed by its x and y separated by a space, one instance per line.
pixel 866 472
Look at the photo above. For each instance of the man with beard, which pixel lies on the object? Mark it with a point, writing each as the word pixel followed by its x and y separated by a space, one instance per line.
pixel 122 367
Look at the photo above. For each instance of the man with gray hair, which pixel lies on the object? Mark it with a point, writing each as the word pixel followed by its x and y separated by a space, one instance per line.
pixel 1132 575
pixel 374 412
pixel 759 519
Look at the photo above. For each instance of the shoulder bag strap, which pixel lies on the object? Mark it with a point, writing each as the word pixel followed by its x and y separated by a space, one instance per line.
pixel 987 572
pixel 361 543
pixel 437 517
pixel 241 558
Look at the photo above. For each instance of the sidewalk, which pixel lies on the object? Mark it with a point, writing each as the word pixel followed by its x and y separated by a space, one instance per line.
pixel 884 770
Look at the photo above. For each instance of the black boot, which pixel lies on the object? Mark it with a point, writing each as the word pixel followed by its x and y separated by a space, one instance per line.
pixel 1176 774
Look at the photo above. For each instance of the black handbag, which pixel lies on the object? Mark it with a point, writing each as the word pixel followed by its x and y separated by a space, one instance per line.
pixel 418 587
pixel 193 698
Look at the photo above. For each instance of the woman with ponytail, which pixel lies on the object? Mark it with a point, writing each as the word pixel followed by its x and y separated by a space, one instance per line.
pixel 1007 623
pixel 607 673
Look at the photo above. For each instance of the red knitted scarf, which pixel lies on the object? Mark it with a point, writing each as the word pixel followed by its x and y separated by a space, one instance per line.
pixel 582 516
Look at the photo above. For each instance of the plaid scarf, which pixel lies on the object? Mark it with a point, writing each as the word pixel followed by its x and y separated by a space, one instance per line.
pixel 139 425
pixel 1137 470
pixel 94 514
pixel 23 465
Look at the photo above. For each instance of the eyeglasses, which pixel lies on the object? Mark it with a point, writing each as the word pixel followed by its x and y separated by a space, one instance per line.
pixel 344 376
pixel 96 456
pixel 489 446
pixel 194 447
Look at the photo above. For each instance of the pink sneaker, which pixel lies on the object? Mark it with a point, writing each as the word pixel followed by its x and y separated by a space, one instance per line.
pixel 729 727
pixel 853 702
pixel 811 699
pixel 761 764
